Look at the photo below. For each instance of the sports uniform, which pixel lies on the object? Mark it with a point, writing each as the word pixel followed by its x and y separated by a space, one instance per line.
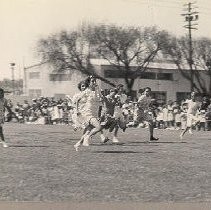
pixel 192 107
pixel 3 105
pixel 142 109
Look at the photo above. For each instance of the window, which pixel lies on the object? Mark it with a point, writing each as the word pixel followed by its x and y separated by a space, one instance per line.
pixel 59 96
pixel 148 75
pixel 159 96
pixel 34 93
pixel 34 75
pixel 114 73
pixel 59 77
pixel 165 76
pixel 133 94
pixel 182 96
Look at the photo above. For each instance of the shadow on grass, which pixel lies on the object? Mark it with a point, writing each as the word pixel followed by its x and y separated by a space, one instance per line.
pixel 69 140
pixel 158 142
pixel 121 152
pixel 107 144
pixel 28 146
pixel 169 142
pixel 128 144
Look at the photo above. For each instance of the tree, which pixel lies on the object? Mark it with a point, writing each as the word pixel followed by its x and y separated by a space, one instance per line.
pixel 129 50
pixel 202 57
pixel 68 51
pixel 178 50
pixel 7 85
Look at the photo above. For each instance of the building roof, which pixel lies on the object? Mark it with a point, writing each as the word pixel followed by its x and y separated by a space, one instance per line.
pixel 157 64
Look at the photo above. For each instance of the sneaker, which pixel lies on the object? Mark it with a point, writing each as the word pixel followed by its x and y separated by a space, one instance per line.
pixel 105 140
pixel 190 132
pixel 86 141
pixel 76 146
pixel 115 140
pixel 154 139
pixel 5 144
pixel 102 137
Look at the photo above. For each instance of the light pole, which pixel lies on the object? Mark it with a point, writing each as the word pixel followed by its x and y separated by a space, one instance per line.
pixel 12 66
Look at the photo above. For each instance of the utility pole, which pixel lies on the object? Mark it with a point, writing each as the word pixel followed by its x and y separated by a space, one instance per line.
pixel 191 17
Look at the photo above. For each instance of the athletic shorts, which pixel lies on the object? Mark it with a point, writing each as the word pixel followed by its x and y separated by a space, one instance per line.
pixel 191 120
pixel 141 116
pixel 82 121
pixel 1 121
pixel 85 119
pixel 2 118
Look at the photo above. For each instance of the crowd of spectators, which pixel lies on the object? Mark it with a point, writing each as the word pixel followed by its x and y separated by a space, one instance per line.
pixel 42 110
pixel 172 115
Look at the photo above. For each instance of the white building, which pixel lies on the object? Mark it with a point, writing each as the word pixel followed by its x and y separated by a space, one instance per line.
pixel 164 79
pixel 41 80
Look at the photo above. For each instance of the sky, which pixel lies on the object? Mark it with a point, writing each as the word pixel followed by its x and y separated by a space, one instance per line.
pixel 24 22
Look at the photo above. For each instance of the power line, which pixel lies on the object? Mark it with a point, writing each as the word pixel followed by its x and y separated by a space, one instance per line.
pixel 206 9
pixel 153 3
pixel 206 14
pixel 168 2
pixel 166 6
pixel 137 1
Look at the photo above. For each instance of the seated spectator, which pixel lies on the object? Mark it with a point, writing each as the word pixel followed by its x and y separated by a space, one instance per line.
pixel 202 120
pixel 208 118
pixel 159 118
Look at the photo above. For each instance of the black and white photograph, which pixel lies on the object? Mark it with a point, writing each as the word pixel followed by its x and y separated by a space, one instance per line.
pixel 105 104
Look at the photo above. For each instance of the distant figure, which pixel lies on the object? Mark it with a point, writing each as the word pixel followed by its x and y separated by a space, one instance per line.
pixel 3 105
pixel 192 107
pixel 143 112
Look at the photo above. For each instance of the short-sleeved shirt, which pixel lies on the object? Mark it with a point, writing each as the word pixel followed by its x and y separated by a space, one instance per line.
pixel 144 102
pixel 193 106
pixel 109 105
pixel 141 113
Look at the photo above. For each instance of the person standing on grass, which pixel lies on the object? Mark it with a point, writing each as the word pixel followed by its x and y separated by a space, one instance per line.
pixel 3 105
pixel 208 118
pixel 142 111
pixel 192 107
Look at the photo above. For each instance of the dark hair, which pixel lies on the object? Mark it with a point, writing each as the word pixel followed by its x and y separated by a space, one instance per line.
pixel 113 90
pixel 147 88
pixel 2 91
pixel 82 83
pixel 89 79
pixel 120 86
pixel 140 91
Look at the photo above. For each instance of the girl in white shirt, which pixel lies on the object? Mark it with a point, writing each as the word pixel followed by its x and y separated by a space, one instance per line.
pixel 192 107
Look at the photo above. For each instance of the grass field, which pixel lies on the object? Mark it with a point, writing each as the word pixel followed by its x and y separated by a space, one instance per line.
pixel 42 165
